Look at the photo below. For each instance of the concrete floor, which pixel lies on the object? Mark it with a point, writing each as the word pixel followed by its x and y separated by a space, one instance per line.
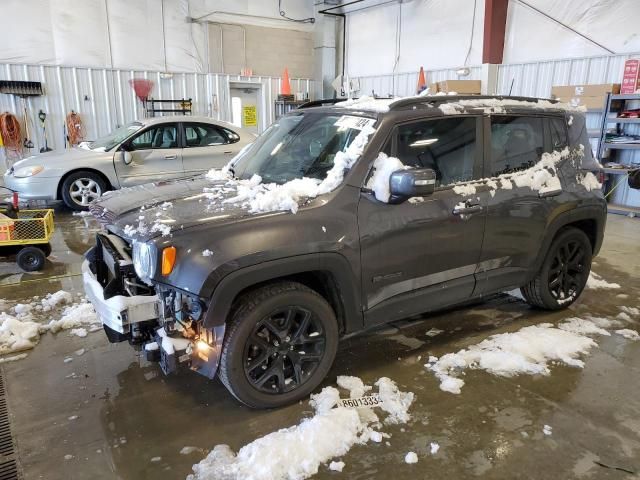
pixel 129 413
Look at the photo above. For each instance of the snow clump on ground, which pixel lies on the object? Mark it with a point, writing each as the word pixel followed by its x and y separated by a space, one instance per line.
pixel 526 351
pixel 595 281
pixel 21 329
pixel 298 452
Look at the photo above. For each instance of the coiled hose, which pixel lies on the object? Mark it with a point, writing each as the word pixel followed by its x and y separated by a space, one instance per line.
pixel 10 132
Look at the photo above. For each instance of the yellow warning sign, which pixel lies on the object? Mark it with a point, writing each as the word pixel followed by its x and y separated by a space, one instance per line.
pixel 249 116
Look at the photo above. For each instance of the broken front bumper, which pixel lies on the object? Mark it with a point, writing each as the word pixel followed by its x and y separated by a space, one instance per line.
pixel 118 312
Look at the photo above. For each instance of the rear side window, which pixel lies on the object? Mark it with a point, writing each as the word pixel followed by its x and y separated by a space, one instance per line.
pixel 446 145
pixel 203 135
pixel 518 142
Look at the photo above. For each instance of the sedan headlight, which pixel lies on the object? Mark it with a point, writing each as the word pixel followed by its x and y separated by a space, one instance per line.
pixel 25 172
pixel 144 261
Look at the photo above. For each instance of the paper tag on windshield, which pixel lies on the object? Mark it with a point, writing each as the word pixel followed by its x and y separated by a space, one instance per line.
pixel 357 123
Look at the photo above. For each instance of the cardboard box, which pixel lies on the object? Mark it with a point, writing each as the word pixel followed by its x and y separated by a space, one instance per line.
pixel 565 93
pixel 433 88
pixel 631 77
pixel 592 103
pixel 467 87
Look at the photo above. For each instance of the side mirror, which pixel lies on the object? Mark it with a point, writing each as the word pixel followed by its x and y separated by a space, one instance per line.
pixel 125 157
pixel 417 182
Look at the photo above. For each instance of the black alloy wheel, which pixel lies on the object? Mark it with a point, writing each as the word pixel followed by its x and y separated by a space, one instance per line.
pixel 279 344
pixel 564 271
pixel 284 350
pixel 567 271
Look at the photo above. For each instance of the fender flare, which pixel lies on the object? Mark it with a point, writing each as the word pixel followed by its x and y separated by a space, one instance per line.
pixel 347 285
pixel 595 213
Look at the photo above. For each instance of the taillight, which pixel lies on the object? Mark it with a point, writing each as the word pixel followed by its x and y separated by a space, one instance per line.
pixel 15 200
pixel 600 176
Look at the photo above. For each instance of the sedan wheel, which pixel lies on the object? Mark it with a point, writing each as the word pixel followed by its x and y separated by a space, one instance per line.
pixel 81 189
pixel 85 191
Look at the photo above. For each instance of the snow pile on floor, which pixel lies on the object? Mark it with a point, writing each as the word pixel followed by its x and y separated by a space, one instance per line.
pixel 629 334
pixel 526 351
pixel 411 457
pixel 298 452
pixel 595 281
pixel 52 300
pixel 17 334
pixel 383 167
pixel 22 330
pixel 74 316
pixel 258 197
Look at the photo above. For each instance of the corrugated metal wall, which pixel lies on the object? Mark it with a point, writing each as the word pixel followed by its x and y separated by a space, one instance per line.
pixel 536 79
pixel 104 98
pixel 404 84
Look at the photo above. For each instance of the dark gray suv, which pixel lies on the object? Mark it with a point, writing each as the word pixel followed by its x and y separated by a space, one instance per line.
pixel 340 217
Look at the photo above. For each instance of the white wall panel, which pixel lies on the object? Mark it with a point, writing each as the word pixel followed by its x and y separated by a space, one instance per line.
pixel 110 100
pixel 435 34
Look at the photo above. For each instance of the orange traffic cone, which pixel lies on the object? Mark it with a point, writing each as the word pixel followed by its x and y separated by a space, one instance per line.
pixel 285 86
pixel 422 81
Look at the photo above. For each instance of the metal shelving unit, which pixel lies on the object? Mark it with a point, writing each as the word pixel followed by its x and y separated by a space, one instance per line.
pixel 617 175
pixel 609 120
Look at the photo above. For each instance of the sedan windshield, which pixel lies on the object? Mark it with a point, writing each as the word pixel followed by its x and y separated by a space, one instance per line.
pixel 296 146
pixel 116 137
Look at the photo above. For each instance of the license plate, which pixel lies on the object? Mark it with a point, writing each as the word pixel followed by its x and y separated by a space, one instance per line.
pixel 362 402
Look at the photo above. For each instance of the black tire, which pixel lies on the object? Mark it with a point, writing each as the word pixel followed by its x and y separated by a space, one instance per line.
pixel 253 354
pixel 30 259
pixel 82 188
pixel 564 272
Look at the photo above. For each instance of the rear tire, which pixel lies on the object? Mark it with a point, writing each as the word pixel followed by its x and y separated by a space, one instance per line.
pixel 81 189
pixel 279 345
pixel 564 272
pixel 30 259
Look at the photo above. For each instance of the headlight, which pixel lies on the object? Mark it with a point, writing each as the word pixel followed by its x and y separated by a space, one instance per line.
pixel 144 261
pixel 25 172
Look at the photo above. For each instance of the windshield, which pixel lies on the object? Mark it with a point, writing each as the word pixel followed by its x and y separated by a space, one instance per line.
pixel 297 146
pixel 115 138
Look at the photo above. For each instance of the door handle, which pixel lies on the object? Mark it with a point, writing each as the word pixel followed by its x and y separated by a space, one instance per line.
pixel 171 157
pixel 467 208
pixel 228 153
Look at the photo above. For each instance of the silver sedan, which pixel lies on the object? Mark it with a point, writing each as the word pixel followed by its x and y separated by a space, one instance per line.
pixel 150 150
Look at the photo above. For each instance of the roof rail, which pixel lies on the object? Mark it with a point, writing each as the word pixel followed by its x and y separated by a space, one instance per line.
pixel 324 101
pixel 404 102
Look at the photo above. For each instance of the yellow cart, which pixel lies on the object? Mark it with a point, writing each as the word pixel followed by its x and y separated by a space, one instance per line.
pixel 26 233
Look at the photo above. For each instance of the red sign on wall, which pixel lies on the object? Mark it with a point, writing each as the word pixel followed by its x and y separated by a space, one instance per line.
pixel 630 77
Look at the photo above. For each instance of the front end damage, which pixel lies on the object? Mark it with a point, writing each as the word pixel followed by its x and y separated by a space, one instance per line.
pixel 164 323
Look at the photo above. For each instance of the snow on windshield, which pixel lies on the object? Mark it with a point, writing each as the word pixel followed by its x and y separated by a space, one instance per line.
pixel 260 197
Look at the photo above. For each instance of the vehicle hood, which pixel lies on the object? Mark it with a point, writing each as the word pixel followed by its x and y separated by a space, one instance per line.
pixel 177 204
pixel 65 158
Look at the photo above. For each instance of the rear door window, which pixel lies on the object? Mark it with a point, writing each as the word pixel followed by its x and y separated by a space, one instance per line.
pixel 446 145
pixel 518 142
pixel 203 135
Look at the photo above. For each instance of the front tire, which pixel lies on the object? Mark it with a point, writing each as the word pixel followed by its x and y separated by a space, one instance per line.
pixel 81 189
pixel 279 345
pixel 564 272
